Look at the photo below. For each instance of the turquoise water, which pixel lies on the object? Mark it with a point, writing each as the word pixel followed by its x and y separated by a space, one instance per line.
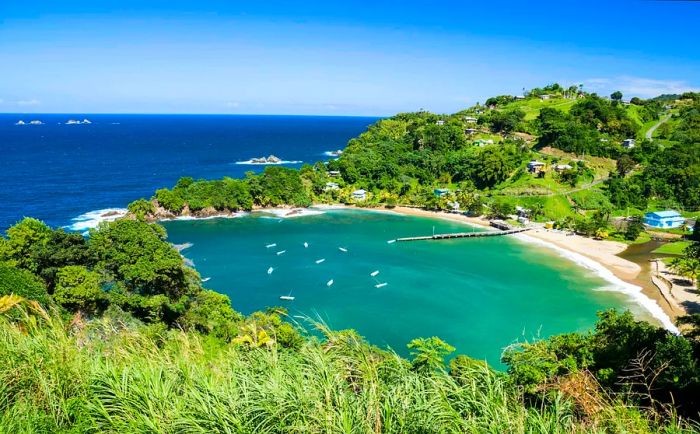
pixel 478 294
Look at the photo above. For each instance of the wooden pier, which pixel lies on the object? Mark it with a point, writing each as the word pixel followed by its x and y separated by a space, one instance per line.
pixel 465 235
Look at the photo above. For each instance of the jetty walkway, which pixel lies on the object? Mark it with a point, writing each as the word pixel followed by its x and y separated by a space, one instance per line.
pixel 505 229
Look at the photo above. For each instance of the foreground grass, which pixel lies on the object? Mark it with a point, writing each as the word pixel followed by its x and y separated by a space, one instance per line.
pixel 104 376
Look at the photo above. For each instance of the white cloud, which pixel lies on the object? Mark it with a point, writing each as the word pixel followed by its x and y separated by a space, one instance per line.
pixel 637 86
pixel 28 102
pixel 233 104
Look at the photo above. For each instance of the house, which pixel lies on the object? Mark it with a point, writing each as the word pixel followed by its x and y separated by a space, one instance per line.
pixel 440 122
pixel 519 97
pixel 482 142
pixel 470 131
pixel 333 173
pixel 359 194
pixel 562 167
pixel 439 192
pixel 470 119
pixel 535 166
pixel 663 219
pixel 629 143
pixel 545 97
pixel 331 186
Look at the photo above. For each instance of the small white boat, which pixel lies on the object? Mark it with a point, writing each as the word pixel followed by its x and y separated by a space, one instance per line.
pixel 380 285
pixel 391 241
pixel 206 279
pixel 269 246
pixel 342 249
pixel 374 273
pixel 330 282
pixel 270 270
pixel 306 244
pixel 281 252
pixel 319 261
pixel 286 297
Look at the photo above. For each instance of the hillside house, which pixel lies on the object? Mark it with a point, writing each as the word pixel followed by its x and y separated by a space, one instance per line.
pixel 535 166
pixel 545 97
pixel 470 131
pixel 629 143
pixel 440 122
pixel 331 186
pixel 440 192
pixel 562 167
pixel 470 119
pixel 333 173
pixel 359 194
pixel 664 219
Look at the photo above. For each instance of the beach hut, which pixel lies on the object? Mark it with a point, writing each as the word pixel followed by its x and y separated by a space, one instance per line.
pixel 664 219
pixel 440 192
pixel 359 194
pixel 331 186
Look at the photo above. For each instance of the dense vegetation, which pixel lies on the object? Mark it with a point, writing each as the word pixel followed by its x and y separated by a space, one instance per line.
pixel 113 332
pixel 481 156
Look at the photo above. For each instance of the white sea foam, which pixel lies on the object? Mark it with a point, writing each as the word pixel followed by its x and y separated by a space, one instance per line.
pixel 289 213
pixel 181 247
pixel 617 284
pixel 92 219
pixel 222 216
pixel 253 163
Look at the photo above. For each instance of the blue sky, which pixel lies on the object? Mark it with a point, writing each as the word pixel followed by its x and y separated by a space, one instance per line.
pixel 333 58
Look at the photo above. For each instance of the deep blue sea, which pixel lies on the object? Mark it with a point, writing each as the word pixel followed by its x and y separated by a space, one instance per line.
pixel 57 172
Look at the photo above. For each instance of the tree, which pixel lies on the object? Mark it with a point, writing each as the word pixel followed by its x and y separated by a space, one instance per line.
pixel 429 354
pixel 79 290
pixel 141 208
pixel 136 253
pixel 616 96
pixel 21 239
pixel 211 313
pixel 22 283
pixel 624 164
pixel 635 226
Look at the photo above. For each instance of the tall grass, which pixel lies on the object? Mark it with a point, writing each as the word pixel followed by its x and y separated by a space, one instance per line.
pixel 103 376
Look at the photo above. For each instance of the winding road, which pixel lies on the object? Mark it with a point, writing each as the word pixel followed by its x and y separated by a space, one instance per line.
pixel 650 131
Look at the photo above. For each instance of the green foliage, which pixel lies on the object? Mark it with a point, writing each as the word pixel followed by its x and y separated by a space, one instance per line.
pixel 211 313
pixel 278 186
pixel 78 289
pixel 429 353
pixel 170 200
pixel 21 238
pixel 22 283
pixel 141 208
pixel 635 226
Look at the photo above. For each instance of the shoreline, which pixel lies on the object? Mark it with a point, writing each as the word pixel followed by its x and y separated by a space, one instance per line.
pixel 599 256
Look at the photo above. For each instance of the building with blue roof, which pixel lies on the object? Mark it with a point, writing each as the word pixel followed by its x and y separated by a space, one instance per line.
pixel 664 219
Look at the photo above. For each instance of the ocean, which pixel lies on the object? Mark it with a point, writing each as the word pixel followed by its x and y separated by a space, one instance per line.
pixel 480 295
pixel 58 172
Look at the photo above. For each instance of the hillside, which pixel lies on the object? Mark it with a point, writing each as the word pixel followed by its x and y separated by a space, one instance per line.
pixel 114 332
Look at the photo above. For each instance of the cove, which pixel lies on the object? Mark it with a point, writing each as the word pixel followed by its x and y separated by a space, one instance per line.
pixel 478 294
